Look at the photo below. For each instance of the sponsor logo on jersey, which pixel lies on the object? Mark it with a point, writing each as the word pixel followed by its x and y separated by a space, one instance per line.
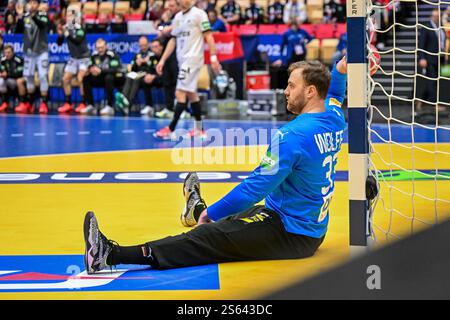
pixel 335 102
pixel 206 25
pixel 281 134
pixel 268 161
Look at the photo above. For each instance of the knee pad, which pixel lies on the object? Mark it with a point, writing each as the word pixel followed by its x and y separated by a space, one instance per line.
pixel 43 83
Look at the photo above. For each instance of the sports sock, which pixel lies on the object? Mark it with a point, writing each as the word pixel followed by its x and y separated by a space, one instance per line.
pixel 140 254
pixel 197 111
pixel 179 108
pixel 68 99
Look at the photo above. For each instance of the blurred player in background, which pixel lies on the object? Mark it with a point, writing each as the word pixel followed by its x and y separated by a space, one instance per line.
pixel 294 41
pixel 293 49
pixel 11 78
pixel 341 49
pixel 190 28
pixel 141 75
pixel 35 48
pixel 75 34
pixel 104 71
pixel 253 14
pixel 231 12
pixel 275 12
pixel 170 70
pixel 2 45
pixel 217 25
pixel 431 55
pixel 295 177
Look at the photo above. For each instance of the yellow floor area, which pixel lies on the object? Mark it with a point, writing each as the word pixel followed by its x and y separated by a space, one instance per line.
pixel 47 218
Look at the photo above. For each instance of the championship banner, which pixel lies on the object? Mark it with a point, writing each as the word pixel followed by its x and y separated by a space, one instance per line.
pixel 228 47
pixel 270 43
pixel 250 45
pixel 231 46
pixel 126 46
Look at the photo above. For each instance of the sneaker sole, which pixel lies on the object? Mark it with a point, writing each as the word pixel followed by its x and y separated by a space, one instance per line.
pixel 89 113
pixel 191 175
pixel 201 136
pixel 186 213
pixel 190 213
pixel 161 138
pixel 88 258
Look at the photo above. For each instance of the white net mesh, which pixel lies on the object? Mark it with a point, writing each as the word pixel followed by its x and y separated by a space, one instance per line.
pixel 409 130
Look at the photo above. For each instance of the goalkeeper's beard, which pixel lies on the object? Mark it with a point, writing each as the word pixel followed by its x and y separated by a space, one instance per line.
pixel 299 105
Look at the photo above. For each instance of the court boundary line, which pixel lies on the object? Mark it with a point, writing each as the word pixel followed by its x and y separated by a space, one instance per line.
pixel 157 149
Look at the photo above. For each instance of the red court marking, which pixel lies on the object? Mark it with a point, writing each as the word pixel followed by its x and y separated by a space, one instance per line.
pixel 46 276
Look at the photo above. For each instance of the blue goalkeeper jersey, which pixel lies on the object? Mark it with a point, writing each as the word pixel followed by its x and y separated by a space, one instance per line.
pixel 296 176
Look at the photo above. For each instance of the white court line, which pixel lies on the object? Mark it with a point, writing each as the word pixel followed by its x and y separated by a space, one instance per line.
pixel 62 133
pixel 105 132
pixel 128 131
pixel 83 132
pixel 17 135
pixel 39 134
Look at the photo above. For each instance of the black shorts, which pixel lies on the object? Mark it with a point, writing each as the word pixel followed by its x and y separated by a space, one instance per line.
pixel 255 234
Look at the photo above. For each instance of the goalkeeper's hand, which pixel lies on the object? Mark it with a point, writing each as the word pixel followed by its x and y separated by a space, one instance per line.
pixel 341 66
pixel 203 218
pixel 423 63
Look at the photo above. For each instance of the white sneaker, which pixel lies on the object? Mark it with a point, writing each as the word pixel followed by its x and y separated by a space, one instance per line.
pixel 88 110
pixel 165 134
pixel 107 111
pixel 148 111
pixel 164 113
pixel 194 133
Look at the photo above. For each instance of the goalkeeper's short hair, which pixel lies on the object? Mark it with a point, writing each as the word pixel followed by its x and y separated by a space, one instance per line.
pixel 314 73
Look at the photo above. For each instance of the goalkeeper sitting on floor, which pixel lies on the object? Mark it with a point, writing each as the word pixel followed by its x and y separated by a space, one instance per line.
pixel 296 179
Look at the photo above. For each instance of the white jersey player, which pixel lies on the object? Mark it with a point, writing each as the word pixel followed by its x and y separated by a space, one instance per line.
pixel 190 28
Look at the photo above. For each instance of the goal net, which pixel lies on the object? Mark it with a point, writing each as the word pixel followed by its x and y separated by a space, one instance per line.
pixel 408 104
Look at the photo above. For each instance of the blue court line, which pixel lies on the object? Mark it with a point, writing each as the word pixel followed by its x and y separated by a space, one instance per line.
pixel 36 272
pixel 164 177
pixel 26 135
